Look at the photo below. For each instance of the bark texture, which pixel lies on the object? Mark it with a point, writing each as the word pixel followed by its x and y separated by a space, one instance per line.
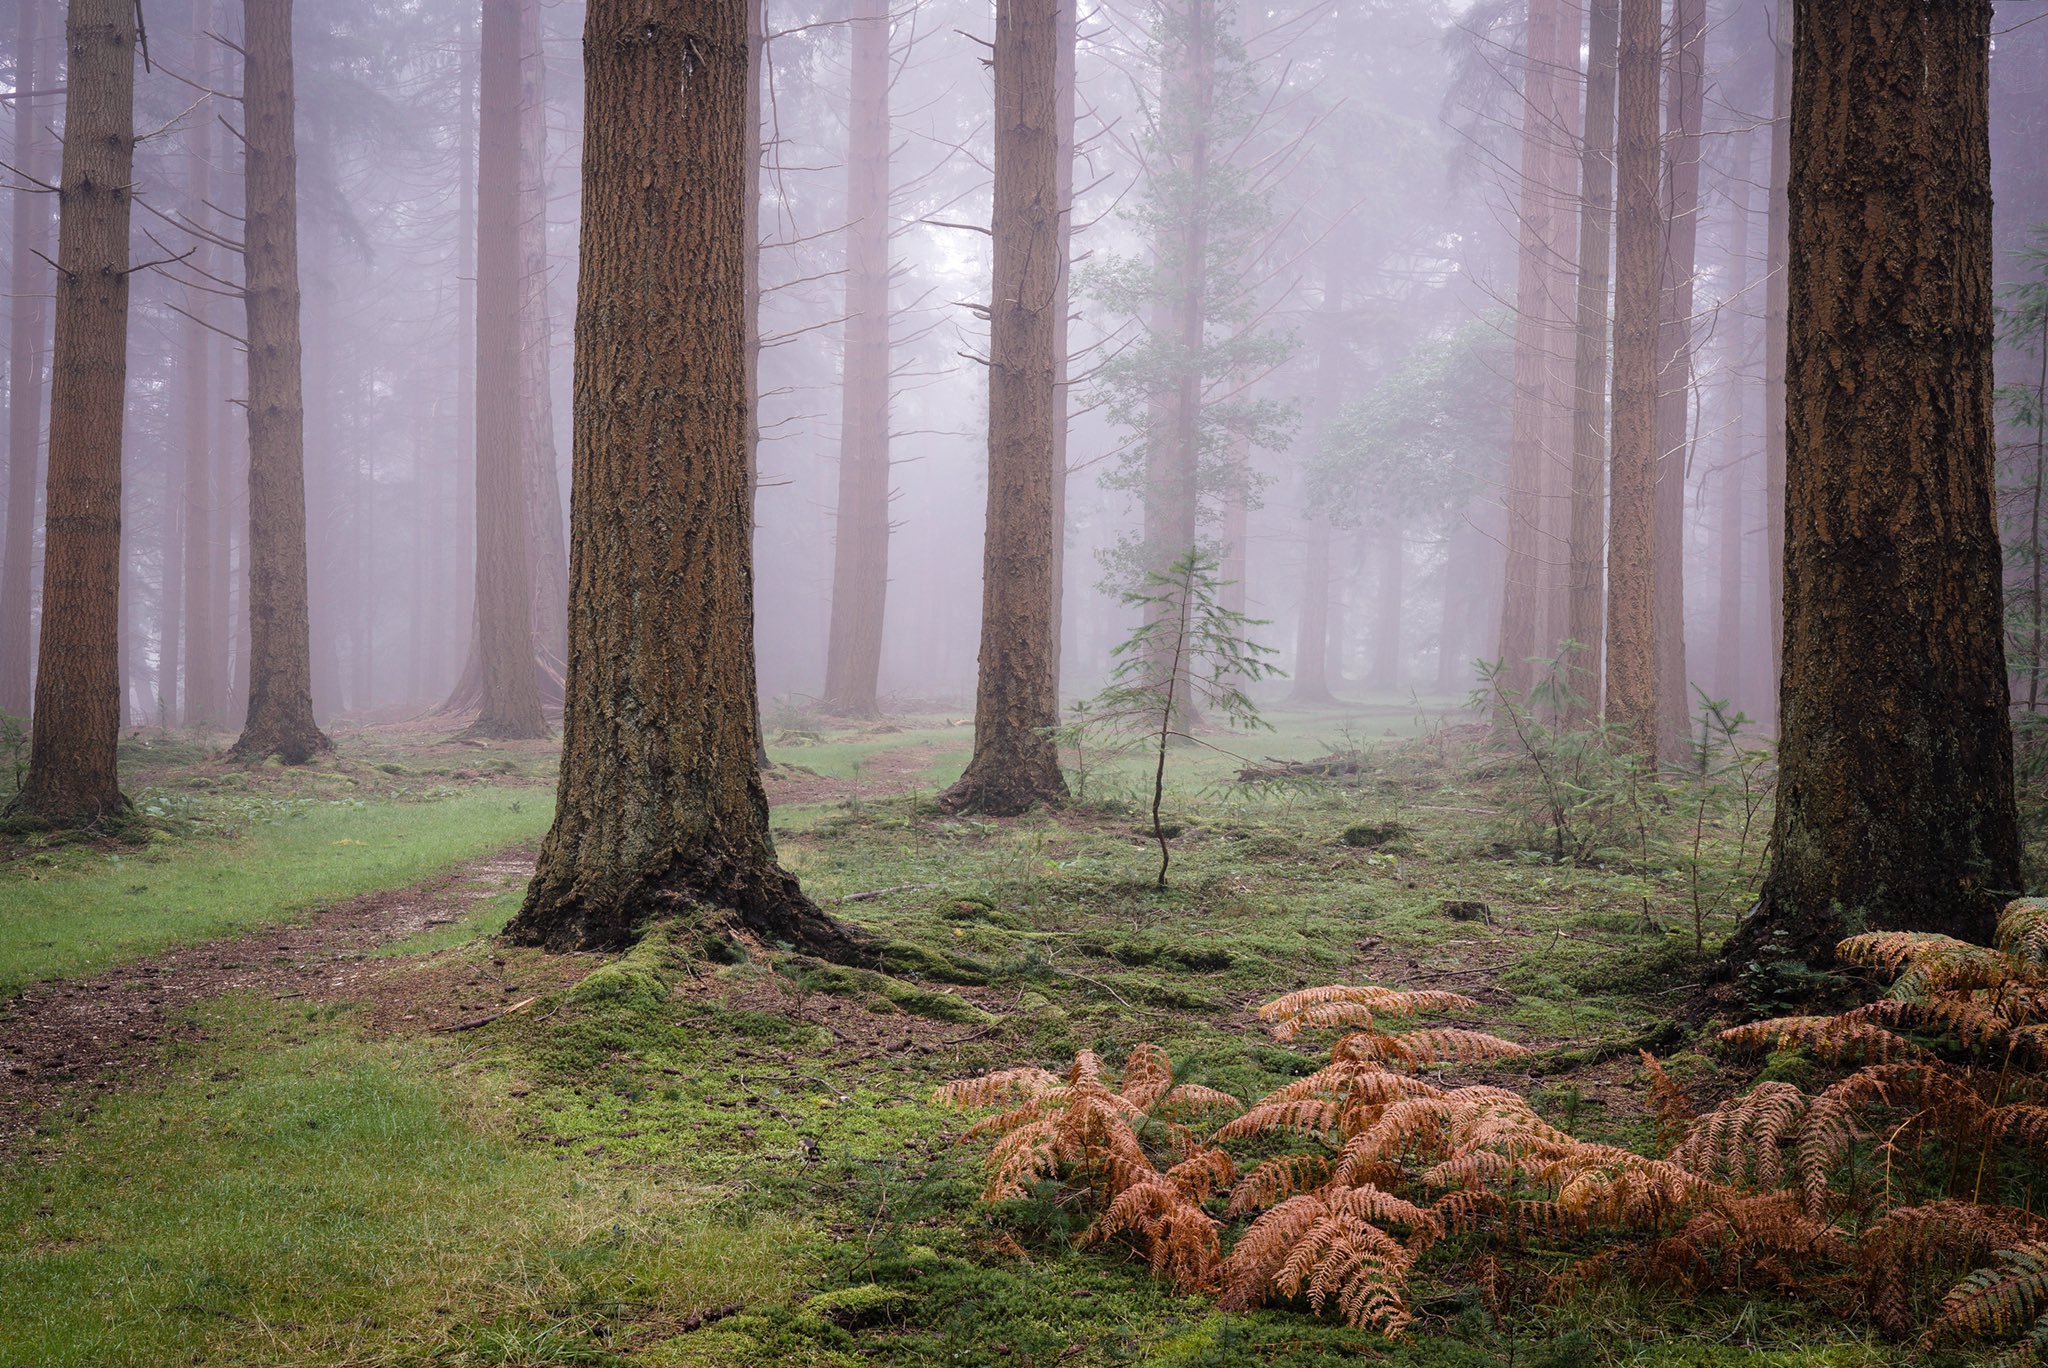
pixel 1015 765
pixel 27 328
pixel 1895 790
pixel 1585 618
pixel 280 720
pixel 660 806
pixel 509 707
pixel 1632 644
pixel 860 555
pixel 72 779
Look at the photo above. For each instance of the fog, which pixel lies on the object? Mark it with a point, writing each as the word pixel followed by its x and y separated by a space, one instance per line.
pixel 1389 197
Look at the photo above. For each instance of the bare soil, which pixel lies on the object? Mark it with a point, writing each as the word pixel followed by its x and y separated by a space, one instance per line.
pixel 63 1044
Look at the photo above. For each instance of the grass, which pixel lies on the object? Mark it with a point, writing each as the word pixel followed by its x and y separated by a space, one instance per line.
pixel 76 911
pixel 570 1184
pixel 301 1196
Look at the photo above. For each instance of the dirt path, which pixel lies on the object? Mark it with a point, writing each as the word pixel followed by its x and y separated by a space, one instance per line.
pixel 64 1043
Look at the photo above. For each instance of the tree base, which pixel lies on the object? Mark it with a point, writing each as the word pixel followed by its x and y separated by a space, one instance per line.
pixel 28 814
pixel 767 902
pixel 504 729
pixel 1011 793
pixel 295 747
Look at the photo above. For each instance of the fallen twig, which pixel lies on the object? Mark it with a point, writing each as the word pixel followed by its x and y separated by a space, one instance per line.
pixel 475 1022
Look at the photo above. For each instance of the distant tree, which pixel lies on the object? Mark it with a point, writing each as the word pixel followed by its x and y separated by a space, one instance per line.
pixel 1016 703
pixel 660 804
pixel 1632 641
pixel 860 555
pixel 280 721
pixel 2026 408
pixel 27 328
pixel 1895 805
pixel 205 521
pixel 72 775
pixel 549 550
pixel 509 706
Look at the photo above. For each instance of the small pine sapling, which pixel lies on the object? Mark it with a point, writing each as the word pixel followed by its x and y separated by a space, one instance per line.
pixel 1188 658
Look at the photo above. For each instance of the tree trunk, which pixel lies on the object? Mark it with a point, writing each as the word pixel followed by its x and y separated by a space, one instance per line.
pixel 1312 635
pixel 1729 539
pixel 72 776
pixel 1684 95
pixel 510 704
pixel 757 65
pixel 1632 532
pixel 1016 765
pixel 280 718
pixel 549 556
pixel 1775 298
pixel 1063 176
pixel 860 558
pixel 26 324
pixel 1585 620
pixel 205 520
pixel 1541 327
pixel 660 805
pixel 1895 789
pixel 1386 672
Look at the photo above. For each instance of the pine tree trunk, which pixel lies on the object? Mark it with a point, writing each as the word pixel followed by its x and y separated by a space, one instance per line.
pixel 660 806
pixel 1585 622
pixel 1312 634
pixel 27 324
pixel 1541 328
pixel 549 557
pixel 1775 300
pixel 1895 790
pixel 1729 636
pixel 280 718
pixel 72 777
pixel 1063 172
pixel 757 113
pixel 1632 640
pixel 510 705
pixel 1386 672
pixel 1684 96
pixel 205 520
pixel 860 558
pixel 1016 765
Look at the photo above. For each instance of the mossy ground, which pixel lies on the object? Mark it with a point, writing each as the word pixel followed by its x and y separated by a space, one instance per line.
pixel 700 1158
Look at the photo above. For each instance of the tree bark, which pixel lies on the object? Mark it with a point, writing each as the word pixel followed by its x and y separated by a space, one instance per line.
pixel 1585 622
pixel 1541 327
pixel 205 520
pixel 1895 791
pixel 1312 634
pixel 72 775
pixel 860 559
pixel 1684 98
pixel 1062 310
pixel 1632 532
pixel 1729 538
pixel 280 718
pixel 27 323
pixel 1016 765
pixel 660 806
pixel 510 705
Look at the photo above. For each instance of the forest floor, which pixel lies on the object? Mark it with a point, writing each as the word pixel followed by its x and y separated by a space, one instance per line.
pixel 271 1092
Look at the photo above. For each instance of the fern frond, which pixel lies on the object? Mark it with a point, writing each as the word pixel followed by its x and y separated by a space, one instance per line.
pixel 1277 1179
pixel 1203 1174
pixel 2023 932
pixel 1996 1301
pixel 1178 1238
pixel 1445 1045
pixel 1908 1244
pixel 1308 1118
pixel 1833 1039
pixel 1195 1099
pixel 1004 1085
pixel 1668 1103
pixel 1148 1074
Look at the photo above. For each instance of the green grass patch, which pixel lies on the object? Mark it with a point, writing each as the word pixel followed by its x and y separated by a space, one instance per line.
pixel 81 911
pixel 304 1196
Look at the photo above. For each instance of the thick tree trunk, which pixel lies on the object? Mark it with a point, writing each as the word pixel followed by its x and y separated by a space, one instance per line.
pixel 1016 765
pixel 1063 176
pixel 1895 790
pixel 1632 532
pixel 1684 97
pixel 1542 326
pixel 1585 622
pixel 510 703
pixel 860 557
pixel 205 519
pixel 72 777
pixel 549 554
pixel 27 324
pixel 660 805
pixel 280 718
